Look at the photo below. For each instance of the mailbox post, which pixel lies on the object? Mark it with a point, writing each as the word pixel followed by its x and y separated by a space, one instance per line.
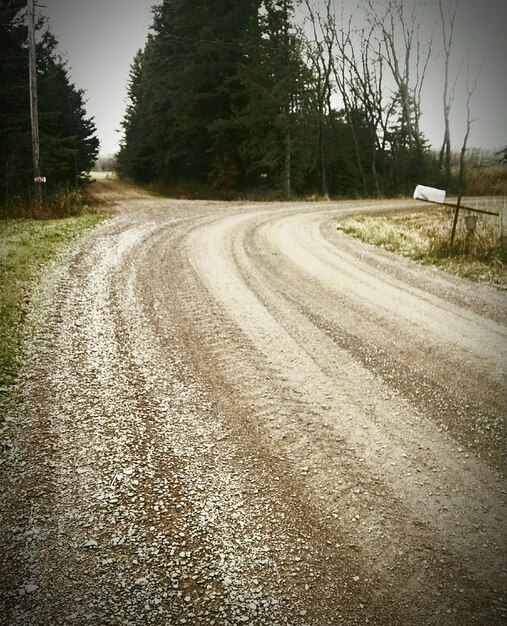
pixel 437 196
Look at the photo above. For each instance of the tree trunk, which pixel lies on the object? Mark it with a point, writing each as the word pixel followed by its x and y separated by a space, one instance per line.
pixel 357 151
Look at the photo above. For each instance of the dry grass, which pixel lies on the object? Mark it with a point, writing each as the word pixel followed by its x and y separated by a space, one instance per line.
pixel 487 181
pixel 58 203
pixel 425 237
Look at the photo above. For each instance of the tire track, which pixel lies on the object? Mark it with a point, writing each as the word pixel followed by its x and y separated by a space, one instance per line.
pixel 459 498
pixel 236 414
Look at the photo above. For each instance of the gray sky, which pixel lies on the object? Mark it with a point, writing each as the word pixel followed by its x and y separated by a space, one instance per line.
pixel 101 37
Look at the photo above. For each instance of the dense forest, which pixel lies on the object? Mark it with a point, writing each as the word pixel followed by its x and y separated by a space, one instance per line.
pixel 68 143
pixel 270 93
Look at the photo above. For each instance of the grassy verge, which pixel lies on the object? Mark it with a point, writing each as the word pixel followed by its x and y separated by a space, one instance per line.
pixel 26 248
pixel 424 236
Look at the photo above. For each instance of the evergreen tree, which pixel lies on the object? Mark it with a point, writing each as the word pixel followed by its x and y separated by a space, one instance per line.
pixel 277 113
pixel 15 139
pixel 184 89
pixel 225 93
pixel 219 94
pixel 67 138
pixel 410 160
pixel 135 156
pixel 69 147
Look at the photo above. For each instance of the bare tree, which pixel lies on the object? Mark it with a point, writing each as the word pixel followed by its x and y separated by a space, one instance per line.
pixel 358 66
pixel 319 52
pixel 406 60
pixel 366 83
pixel 346 61
pixel 339 41
pixel 359 62
pixel 447 23
pixel 471 88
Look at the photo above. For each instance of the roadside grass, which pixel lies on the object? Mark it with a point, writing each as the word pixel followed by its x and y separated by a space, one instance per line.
pixel 27 246
pixel 424 236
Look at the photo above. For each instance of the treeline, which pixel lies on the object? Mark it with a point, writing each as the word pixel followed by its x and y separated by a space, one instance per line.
pixel 243 95
pixel 68 144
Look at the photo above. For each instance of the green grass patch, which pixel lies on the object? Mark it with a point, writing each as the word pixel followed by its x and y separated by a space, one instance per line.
pixel 425 237
pixel 26 248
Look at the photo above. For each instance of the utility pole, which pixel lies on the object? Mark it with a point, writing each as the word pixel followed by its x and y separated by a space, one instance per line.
pixel 34 111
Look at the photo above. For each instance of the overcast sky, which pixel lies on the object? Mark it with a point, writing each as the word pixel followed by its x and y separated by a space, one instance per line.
pixel 100 38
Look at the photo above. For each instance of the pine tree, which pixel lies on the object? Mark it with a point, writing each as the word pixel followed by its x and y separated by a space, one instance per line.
pixel 69 146
pixel 134 157
pixel 277 113
pixel 184 89
pixel 15 138
pixel 410 159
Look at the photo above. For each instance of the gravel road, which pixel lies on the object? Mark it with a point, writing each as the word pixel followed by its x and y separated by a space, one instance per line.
pixel 233 413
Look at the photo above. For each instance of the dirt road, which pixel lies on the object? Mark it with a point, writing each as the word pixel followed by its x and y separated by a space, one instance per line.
pixel 235 414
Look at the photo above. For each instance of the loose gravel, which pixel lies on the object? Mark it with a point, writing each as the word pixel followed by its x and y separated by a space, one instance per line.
pixel 233 414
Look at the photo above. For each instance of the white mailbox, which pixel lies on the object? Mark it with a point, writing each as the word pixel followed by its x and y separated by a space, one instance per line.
pixel 430 194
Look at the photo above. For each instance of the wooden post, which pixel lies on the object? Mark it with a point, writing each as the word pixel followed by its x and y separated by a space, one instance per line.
pixel 34 111
pixel 455 220
pixel 503 222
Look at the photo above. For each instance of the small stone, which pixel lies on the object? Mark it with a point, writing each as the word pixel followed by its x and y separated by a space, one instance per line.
pixel 91 543
pixel 30 588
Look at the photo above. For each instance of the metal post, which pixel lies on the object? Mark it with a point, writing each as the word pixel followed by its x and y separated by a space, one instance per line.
pixel 34 112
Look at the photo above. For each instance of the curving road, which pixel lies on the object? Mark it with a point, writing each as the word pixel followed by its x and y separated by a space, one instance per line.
pixel 237 414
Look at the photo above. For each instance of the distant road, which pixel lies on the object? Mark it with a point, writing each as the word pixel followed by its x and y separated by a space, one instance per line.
pixel 236 414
